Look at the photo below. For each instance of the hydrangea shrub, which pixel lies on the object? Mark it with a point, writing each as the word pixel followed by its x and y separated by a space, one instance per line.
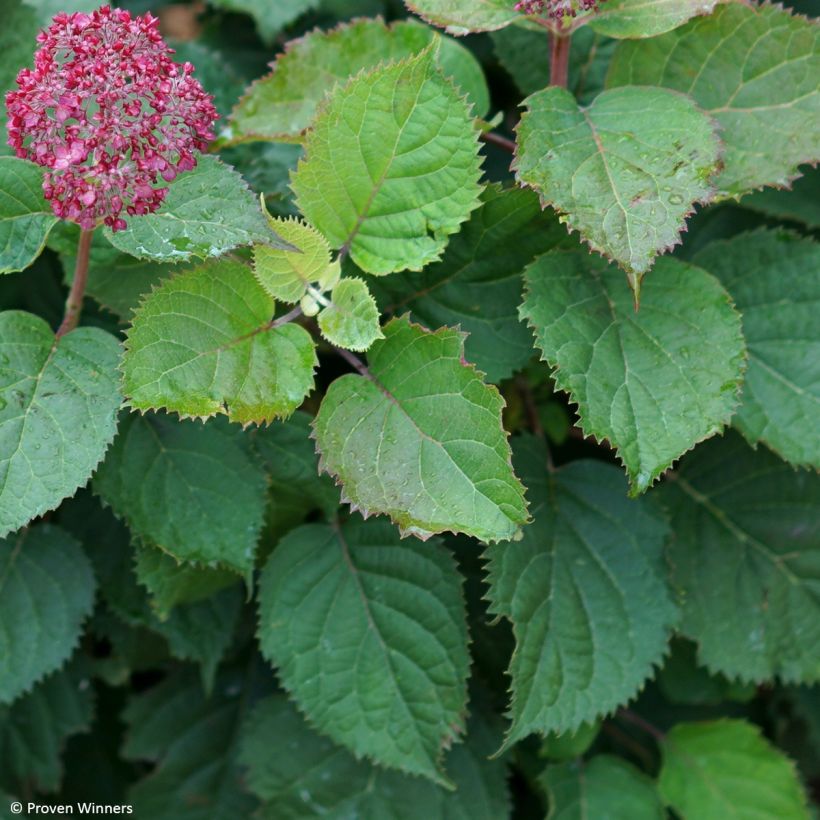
pixel 410 415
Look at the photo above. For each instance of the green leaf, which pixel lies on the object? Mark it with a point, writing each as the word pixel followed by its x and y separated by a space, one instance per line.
pixel 643 380
pixel 570 745
pixel 282 104
pixel 746 559
pixel 443 461
pixel 631 19
pixel 351 320
pixel 46 9
pixel 33 731
pixel 625 171
pixel 725 768
pixel 206 213
pixel 318 779
pixel 391 166
pixel 754 69
pixel 586 593
pixel 369 634
pixel 46 592
pixel 774 279
pixel 270 18
pixel 25 216
pixel 17 46
pixel 605 786
pixel 478 284
pixel 193 489
pixel 461 17
pixel 799 203
pixel 204 343
pixel 58 413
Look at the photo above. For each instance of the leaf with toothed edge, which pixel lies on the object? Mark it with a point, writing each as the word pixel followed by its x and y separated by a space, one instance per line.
pixel 46 592
pixel 625 171
pixel 585 590
pixel 391 166
pixel 462 17
pixel 368 633
pixel 654 382
pixel 203 343
pixel 442 460
pixel 351 320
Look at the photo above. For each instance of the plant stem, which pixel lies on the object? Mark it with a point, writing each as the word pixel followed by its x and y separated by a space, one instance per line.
pixel 286 318
pixel 74 303
pixel 354 361
pixel 491 138
pixel 559 59
pixel 636 720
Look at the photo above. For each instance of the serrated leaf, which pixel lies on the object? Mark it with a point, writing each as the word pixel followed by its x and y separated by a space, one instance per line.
pixel 752 67
pixel 443 461
pixel 206 213
pixel 746 559
pixel 635 19
pixel 203 343
pixel 46 592
pixel 725 768
pixel 478 285
pixel 318 779
pixel 461 17
pixel 282 105
pixel 193 489
pixel 586 593
pixel 270 18
pixel 653 382
pixel 798 203
pixel 774 279
pixel 58 413
pixel 33 730
pixel 391 166
pixel 351 320
pixel 626 170
pixel 604 786
pixel 369 635
pixel 25 216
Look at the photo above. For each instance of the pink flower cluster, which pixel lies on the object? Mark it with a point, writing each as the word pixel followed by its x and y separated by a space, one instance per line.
pixel 108 112
pixel 557 9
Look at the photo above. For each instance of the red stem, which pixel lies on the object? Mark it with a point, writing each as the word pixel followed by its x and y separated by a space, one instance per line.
pixel 559 59
pixel 74 303
pixel 496 139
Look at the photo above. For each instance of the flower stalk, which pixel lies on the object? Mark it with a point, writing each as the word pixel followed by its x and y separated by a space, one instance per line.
pixel 559 59
pixel 74 302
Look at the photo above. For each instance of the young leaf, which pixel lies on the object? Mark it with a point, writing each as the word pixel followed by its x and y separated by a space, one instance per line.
pixel 207 212
pixel 282 105
pixel 204 343
pixel 774 279
pixel 725 768
pixel 391 166
pixel 745 559
pixel 369 634
pixel 753 67
pixel 352 319
pixel 58 413
pixel 194 490
pixel 25 216
pixel 477 284
pixel 626 171
pixel 586 593
pixel 442 457
pixel 653 382
pixel 46 592
pixel 634 19
pixel 605 786
pixel 460 17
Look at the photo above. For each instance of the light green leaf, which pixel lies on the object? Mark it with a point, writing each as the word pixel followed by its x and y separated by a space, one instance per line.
pixel 443 461
pixel 46 592
pixel 725 768
pixel 586 593
pixel 46 9
pixel 206 213
pixel 754 68
pixel 746 561
pixel 270 18
pixel 653 382
pixel 391 166
pixel 369 635
pixel 58 413
pixel 774 279
pixel 193 489
pixel 282 104
pixel 204 343
pixel 25 216
pixel 478 284
pixel 628 19
pixel 626 171
pixel 352 318
pixel 605 786
pixel 461 17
